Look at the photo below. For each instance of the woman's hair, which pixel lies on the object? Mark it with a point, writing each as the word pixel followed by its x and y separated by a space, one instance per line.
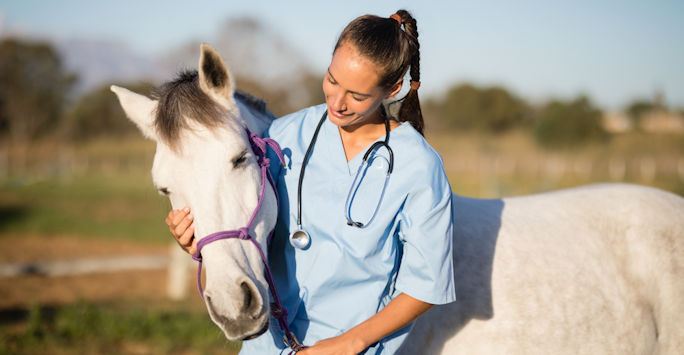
pixel 382 41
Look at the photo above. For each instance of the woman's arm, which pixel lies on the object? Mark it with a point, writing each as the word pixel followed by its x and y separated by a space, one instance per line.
pixel 401 311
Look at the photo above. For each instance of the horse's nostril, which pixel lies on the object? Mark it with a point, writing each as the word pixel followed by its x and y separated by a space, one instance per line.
pixel 247 296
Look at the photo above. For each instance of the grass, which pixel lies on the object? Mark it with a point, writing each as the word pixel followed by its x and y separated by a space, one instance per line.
pixel 87 328
pixel 512 164
pixel 121 205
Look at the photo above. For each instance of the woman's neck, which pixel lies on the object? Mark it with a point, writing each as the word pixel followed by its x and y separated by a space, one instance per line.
pixel 356 138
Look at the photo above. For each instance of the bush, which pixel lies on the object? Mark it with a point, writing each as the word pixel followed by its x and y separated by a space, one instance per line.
pixel 98 113
pixel 467 107
pixel 566 124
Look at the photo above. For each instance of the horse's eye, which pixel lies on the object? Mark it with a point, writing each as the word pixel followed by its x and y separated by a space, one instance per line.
pixel 239 159
pixel 164 191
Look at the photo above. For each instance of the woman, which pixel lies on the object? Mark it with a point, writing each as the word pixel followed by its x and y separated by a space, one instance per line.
pixel 366 273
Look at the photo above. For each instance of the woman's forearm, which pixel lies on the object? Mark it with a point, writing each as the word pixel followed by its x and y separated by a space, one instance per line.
pixel 401 311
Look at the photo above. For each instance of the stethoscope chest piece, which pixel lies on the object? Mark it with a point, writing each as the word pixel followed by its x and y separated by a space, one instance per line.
pixel 299 238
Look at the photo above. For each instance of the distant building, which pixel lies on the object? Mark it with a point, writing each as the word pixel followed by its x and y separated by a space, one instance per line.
pixel 661 121
pixel 655 118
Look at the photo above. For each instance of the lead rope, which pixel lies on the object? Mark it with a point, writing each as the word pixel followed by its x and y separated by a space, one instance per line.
pixel 278 312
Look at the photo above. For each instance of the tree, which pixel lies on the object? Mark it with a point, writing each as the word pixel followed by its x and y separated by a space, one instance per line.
pixel 34 87
pixel 486 109
pixel 98 113
pixel 636 110
pixel 564 124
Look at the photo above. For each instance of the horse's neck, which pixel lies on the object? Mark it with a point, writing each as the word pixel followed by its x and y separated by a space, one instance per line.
pixel 257 122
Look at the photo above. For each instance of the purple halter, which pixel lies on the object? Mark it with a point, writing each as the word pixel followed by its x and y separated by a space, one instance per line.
pixel 278 312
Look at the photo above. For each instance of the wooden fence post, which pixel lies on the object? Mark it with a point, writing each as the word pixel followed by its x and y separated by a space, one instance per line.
pixel 177 278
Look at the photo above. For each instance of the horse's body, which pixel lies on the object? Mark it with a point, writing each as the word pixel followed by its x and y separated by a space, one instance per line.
pixel 591 270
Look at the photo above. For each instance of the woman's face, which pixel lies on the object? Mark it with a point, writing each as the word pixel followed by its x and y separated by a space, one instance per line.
pixel 350 88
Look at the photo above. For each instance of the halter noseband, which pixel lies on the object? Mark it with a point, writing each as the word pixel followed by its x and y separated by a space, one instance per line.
pixel 259 146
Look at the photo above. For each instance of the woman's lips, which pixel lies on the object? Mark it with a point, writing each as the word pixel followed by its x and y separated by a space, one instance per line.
pixel 338 114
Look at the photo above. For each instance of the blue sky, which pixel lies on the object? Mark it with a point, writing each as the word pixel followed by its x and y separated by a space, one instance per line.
pixel 614 51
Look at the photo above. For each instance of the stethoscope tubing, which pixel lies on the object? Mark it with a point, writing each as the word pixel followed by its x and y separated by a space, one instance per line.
pixel 352 193
pixel 304 163
pixel 295 238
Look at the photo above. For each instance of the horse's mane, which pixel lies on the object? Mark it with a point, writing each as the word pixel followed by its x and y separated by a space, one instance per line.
pixel 254 102
pixel 182 98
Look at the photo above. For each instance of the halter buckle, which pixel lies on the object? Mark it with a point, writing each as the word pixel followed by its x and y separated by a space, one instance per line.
pixel 292 342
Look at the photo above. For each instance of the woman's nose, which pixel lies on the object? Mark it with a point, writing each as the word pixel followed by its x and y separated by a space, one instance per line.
pixel 338 102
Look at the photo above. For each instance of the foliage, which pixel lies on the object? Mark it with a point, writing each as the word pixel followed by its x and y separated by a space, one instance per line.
pixel 98 113
pixel 567 124
pixel 636 110
pixel 467 107
pixel 34 88
pixel 110 329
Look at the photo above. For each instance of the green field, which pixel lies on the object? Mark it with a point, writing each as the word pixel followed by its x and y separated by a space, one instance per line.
pixel 86 328
pixel 91 206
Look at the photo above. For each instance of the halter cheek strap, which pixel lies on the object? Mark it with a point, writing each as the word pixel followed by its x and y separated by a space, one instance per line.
pixel 259 146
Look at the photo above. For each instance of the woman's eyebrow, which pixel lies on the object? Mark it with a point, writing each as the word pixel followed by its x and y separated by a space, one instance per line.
pixel 353 92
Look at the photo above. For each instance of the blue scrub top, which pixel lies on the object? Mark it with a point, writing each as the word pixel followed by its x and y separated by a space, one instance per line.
pixel 348 274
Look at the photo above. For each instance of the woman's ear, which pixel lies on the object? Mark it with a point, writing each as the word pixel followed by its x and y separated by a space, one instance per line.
pixel 394 90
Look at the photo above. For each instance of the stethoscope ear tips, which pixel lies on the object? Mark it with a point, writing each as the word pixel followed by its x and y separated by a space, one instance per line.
pixel 355 224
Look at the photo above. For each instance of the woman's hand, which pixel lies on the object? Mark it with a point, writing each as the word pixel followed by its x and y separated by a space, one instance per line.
pixel 182 229
pixel 339 345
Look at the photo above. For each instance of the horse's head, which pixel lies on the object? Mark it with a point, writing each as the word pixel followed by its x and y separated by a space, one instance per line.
pixel 204 160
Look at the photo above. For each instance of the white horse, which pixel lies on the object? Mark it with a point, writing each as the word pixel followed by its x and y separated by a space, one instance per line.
pixel 591 270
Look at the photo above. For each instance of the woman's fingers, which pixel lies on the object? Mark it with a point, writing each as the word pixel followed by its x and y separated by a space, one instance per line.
pixel 179 215
pixel 185 239
pixel 189 234
pixel 182 226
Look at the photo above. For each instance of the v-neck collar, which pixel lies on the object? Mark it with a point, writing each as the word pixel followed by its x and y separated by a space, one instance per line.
pixel 336 148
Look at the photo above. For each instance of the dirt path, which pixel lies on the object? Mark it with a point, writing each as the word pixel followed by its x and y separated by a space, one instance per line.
pixel 20 292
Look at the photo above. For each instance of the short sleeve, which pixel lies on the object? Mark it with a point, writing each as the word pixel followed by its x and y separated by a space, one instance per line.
pixel 276 167
pixel 425 231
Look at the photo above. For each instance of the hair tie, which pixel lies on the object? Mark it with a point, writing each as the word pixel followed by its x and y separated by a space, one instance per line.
pixel 415 85
pixel 397 18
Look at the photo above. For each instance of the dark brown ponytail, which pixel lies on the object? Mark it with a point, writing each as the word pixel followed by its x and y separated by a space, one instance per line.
pixel 410 105
pixel 395 50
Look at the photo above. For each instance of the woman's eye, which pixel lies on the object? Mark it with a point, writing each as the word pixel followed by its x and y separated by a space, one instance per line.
pixel 359 98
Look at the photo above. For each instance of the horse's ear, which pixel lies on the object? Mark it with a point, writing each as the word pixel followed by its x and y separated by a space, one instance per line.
pixel 214 76
pixel 139 109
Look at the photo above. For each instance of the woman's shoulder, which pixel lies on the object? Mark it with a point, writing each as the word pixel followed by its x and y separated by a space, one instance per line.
pixel 414 149
pixel 295 122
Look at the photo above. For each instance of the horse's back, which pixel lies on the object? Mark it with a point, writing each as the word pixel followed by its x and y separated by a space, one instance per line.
pixel 587 270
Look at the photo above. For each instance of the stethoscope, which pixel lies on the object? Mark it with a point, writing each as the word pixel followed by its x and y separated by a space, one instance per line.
pixel 300 239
